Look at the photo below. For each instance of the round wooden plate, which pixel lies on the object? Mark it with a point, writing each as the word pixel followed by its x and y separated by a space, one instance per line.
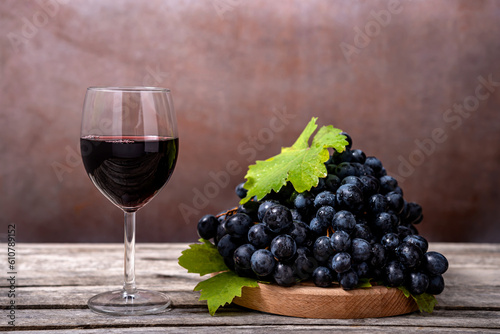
pixel 308 301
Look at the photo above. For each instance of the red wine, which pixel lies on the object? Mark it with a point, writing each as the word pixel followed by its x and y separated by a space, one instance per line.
pixel 129 171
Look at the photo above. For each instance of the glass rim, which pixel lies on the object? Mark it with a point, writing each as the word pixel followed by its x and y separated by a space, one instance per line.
pixel 128 89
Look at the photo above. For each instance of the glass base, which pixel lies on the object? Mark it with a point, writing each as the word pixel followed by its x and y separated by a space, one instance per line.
pixel 120 303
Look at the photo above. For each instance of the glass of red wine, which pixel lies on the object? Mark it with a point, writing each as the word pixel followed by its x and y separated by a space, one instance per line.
pixel 129 146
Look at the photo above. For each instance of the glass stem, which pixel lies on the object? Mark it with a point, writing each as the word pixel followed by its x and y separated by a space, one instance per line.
pixel 129 277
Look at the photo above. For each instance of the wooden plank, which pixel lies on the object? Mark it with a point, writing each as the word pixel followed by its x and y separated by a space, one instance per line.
pixel 453 297
pixel 55 281
pixel 296 329
pixel 308 301
pixel 84 259
pixel 87 264
pixel 470 283
pixel 83 318
pixel 77 297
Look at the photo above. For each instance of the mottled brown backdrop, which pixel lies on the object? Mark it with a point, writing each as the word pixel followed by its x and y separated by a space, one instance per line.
pixel 416 83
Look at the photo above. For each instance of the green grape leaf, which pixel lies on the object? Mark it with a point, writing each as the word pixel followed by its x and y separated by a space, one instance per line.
pixel 425 301
pixel 405 291
pixel 364 283
pixel 202 259
pixel 302 165
pixel 221 289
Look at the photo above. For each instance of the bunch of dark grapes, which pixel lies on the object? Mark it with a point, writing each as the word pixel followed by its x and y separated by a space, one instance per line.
pixel 354 224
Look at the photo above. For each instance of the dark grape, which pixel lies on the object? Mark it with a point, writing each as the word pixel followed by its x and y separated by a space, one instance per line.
pixel 366 171
pixel 345 169
pixel 260 236
pixel 349 197
pixel 250 208
pixel 322 248
pixel 398 190
pixel 413 213
pixel 419 219
pixel 374 164
pixel 348 139
pixel 403 232
pixel 352 180
pixel 387 184
pixel 378 256
pixel 332 182
pixel 362 231
pixel 358 156
pixel 322 277
pixel 345 156
pixel 284 275
pixel 395 274
pixel 304 263
pixel 409 255
pixel 418 241
pixel 263 207
pixel 303 203
pixel 384 222
pixel 341 241
pixel 318 226
pixel 227 245
pixel 413 229
pixel 370 185
pixel 418 283
pixel 359 169
pixel 341 262
pixel 360 250
pixel 283 247
pixel 320 187
pixel 330 167
pixel 221 231
pixel 436 285
pixel 362 269
pixel 242 256
pixel 240 191
pixel 344 220
pixel 324 198
pixel 390 241
pixel 377 203
pixel 296 215
pixel 300 233
pixel 262 262
pixel 348 280
pixel 325 214
pixel 435 263
pixel 238 225
pixel 207 227
pixel 278 218
pixel 395 202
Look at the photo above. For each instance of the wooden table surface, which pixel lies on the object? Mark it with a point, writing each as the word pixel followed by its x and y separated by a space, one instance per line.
pixel 54 282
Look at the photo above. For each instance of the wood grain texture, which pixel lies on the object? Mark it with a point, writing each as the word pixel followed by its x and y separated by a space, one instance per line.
pixel 56 280
pixel 306 301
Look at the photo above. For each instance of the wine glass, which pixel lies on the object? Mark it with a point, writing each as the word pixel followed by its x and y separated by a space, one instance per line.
pixel 129 146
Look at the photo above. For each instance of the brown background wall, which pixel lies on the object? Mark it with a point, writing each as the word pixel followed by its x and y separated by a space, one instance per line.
pixel 233 66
